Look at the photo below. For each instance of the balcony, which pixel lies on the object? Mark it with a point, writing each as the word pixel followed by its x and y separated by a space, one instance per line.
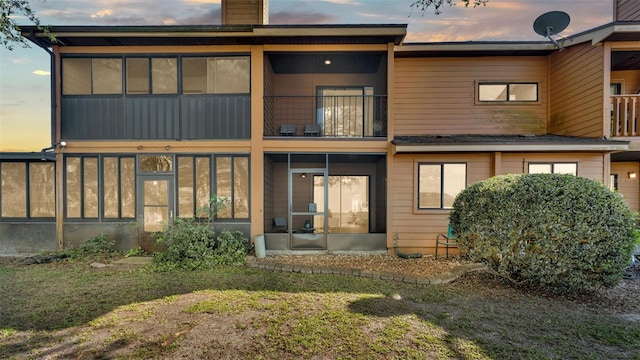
pixel 624 115
pixel 340 116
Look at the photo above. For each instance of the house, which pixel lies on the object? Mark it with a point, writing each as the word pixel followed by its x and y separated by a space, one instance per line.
pixel 319 137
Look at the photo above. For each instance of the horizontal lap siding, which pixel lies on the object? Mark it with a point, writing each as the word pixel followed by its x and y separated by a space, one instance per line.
pixel 629 188
pixel 577 91
pixel 419 230
pixel 437 96
pixel 627 10
pixel 630 80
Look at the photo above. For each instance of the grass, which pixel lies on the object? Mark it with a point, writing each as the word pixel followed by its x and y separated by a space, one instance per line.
pixel 69 310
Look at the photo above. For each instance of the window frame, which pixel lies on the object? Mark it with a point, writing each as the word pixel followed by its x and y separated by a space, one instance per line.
pixel 27 192
pixel 417 208
pixel 101 186
pixel 508 84
pixel 553 166
pixel 92 75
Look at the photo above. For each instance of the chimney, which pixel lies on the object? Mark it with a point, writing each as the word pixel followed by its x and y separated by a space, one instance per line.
pixel 626 10
pixel 245 12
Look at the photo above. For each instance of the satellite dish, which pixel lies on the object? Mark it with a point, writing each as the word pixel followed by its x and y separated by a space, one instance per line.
pixel 551 23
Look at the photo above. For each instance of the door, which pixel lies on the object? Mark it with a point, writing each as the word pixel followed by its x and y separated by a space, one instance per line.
pixel 156 207
pixel 307 213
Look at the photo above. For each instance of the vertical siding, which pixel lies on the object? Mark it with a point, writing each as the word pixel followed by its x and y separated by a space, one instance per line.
pixel 577 91
pixel 216 117
pixel 92 118
pixel 627 10
pixel 629 188
pixel 418 231
pixel 437 96
pixel 150 118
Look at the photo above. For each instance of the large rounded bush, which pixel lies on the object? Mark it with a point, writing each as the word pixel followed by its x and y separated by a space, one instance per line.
pixel 563 232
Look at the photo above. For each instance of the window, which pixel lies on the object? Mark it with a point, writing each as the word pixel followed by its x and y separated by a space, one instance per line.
pixel 215 75
pixel 27 190
pixel 119 191
pixel 91 76
pixel 348 203
pixel 507 92
pixel 156 163
pixel 346 112
pixel 232 183
pixel 439 184
pixel 162 79
pixel 194 179
pixel 553 168
pixel 613 182
pixel 81 187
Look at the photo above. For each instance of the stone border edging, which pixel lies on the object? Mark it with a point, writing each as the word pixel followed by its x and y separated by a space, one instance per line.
pixel 442 278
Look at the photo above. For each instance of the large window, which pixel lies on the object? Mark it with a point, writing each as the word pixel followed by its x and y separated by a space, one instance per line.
pixel 215 75
pixel 27 190
pixel 119 189
pixel 348 203
pixel 232 184
pixel 507 92
pixel 81 175
pixel 152 76
pixel 439 184
pixel 345 112
pixel 91 76
pixel 194 189
pixel 553 168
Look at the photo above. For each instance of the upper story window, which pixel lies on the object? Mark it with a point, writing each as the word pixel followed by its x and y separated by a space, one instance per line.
pixel 507 92
pixel 152 76
pixel 553 168
pixel 156 75
pixel 215 75
pixel 98 76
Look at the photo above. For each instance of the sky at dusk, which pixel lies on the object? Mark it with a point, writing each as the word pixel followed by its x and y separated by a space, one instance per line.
pixel 25 73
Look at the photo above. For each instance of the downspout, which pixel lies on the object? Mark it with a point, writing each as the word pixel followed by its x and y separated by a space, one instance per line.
pixel 38 42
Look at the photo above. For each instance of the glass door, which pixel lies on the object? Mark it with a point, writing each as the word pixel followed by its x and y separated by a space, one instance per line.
pixel 157 209
pixel 307 212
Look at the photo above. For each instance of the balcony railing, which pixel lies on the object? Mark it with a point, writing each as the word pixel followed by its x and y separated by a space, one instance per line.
pixel 326 116
pixel 624 115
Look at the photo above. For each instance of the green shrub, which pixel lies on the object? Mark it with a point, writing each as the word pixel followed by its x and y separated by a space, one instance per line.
pixel 562 232
pixel 191 244
pixel 97 246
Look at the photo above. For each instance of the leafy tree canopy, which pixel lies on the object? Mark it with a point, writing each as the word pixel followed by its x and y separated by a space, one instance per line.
pixel 437 5
pixel 9 28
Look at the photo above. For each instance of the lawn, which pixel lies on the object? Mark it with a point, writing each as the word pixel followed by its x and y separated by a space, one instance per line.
pixel 70 310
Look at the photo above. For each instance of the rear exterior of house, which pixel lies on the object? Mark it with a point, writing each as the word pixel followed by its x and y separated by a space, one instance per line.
pixel 319 138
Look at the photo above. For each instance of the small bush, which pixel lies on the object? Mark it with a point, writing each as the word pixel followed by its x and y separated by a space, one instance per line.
pixel 191 245
pixel 97 246
pixel 562 232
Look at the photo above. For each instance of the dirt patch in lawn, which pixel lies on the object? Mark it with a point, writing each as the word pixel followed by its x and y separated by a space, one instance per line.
pixel 240 313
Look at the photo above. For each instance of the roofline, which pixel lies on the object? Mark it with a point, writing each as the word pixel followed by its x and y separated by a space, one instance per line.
pixel 209 31
pixel 501 147
pixel 527 46
pixel 599 34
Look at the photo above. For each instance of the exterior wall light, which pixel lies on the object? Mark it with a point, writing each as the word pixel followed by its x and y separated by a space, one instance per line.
pixel 631 175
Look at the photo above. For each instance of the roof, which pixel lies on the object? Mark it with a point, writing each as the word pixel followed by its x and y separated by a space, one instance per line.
pixel 176 35
pixel 24 156
pixel 614 31
pixel 475 48
pixel 503 143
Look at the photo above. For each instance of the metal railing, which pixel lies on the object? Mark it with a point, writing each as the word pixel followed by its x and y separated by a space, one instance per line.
pixel 624 115
pixel 346 116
